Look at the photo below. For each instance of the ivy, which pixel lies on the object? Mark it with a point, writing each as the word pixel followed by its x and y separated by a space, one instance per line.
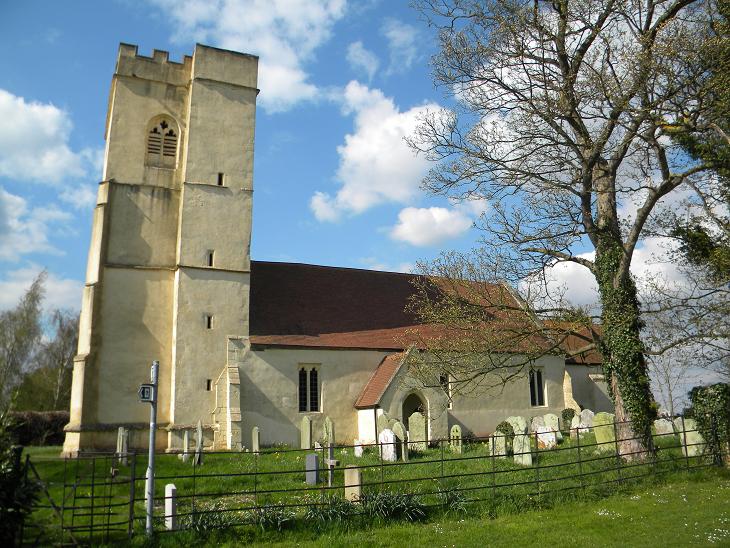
pixel 621 343
pixel 711 410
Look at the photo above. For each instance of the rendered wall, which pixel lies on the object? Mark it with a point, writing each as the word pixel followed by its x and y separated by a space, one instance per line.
pixel 589 393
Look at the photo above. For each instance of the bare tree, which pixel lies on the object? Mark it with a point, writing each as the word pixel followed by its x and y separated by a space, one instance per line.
pixel 20 332
pixel 561 121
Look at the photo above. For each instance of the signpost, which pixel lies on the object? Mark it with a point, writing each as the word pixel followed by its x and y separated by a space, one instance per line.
pixel 148 394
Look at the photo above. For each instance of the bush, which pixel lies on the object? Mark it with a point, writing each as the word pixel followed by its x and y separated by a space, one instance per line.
pixel 38 427
pixel 391 505
pixel 506 428
pixel 17 492
pixel 711 410
pixel 567 416
pixel 452 499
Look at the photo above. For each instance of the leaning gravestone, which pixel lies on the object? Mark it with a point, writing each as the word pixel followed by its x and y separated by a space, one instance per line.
pixel 663 427
pixel 305 433
pixel 553 422
pixel 536 422
pixel 198 460
pixel 382 422
pixel 498 445
pixel 603 428
pixel 311 474
pixel 186 446
pixel 122 445
pixel 329 431
pixel 455 440
pixel 401 439
pixel 386 439
pixel 521 449
pixel 417 439
pixel 693 444
pixel 546 438
pixel 255 439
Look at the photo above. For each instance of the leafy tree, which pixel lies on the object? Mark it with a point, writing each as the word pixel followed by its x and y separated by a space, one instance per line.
pixel 563 118
pixel 20 332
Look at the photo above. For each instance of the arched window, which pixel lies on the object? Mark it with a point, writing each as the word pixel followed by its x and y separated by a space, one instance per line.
pixel 162 139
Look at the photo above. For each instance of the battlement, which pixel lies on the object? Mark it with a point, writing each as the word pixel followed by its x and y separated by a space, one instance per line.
pixel 159 67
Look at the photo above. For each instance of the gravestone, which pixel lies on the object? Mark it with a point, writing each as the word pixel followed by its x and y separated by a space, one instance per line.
pixel 664 427
pixel 401 439
pixel 382 422
pixel 536 423
pixel 521 449
pixel 186 446
pixel 586 418
pixel 386 439
pixel 198 460
pixel 603 428
pixel 353 482
pixel 519 424
pixel 498 445
pixel 122 445
pixel 170 507
pixel 574 426
pixel 305 433
pixel 455 440
pixel 311 470
pixel 357 448
pixel 417 439
pixel 331 462
pixel 695 444
pixel 553 422
pixel 255 439
pixel 329 431
pixel 546 438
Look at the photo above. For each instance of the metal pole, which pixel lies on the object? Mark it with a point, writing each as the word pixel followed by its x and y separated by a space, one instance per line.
pixel 150 485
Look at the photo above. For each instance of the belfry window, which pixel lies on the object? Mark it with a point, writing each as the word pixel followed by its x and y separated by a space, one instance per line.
pixel 308 389
pixel 162 139
pixel 537 388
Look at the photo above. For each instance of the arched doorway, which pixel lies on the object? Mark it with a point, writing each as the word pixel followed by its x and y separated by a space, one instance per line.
pixel 411 404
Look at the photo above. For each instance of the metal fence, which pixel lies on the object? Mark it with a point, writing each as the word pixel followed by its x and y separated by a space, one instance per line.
pixel 99 498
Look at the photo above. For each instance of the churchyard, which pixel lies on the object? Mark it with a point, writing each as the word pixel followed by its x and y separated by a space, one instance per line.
pixel 267 490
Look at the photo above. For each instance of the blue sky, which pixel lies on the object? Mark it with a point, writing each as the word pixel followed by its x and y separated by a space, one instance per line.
pixel 341 84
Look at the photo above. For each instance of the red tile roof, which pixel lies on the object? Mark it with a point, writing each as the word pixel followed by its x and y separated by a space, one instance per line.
pixel 381 379
pixel 576 338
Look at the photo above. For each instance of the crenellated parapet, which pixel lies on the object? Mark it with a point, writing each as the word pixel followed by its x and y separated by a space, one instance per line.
pixel 159 67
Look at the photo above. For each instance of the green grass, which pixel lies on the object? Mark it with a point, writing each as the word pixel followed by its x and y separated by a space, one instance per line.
pixel 228 485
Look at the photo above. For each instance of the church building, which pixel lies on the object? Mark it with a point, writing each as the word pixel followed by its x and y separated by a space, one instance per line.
pixel 243 343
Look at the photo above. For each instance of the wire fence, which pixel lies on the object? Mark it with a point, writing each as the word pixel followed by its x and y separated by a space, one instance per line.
pixel 98 498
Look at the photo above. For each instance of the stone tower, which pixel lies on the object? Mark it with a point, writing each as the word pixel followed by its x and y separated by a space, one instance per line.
pixel 169 264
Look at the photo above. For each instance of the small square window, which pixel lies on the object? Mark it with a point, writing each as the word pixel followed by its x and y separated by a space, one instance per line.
pixel 220 179
pixel 208 321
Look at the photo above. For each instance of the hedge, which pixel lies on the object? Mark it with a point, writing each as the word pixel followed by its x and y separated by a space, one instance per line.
pixel 711 410
pixel 38 427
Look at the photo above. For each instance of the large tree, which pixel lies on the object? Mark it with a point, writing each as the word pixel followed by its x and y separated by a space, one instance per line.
pixel 562 120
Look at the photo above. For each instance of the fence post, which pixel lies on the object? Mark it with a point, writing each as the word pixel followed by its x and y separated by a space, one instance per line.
pixel 441 446
pixel 493 448
pixel 132 481
pixel 580 462
pixel 618 455
pixel 63 499
pixel 537 470
pixel 685 449
pixel 93 478
pixel 256 480
pixel 382 467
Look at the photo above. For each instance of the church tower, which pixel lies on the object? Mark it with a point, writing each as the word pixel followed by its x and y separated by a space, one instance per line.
pixel 168 271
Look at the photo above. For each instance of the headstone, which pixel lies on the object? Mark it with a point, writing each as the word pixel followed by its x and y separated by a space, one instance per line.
pixel 311 475
pixel 521 449
pixel 417 439
pixel 586 418
pixel 329 431
pixel 401 439
pixel 695 444
pixel 198 460
pixel 546 438
pixel 498 445
pixel 255 439
pixel 331 462
pixel 382 422
pixel 553 422
pixel 536 423
pixel 663 427
pixel 170 507
pixel 122 445
pixel 357 448
pixel 455 440
pixel 186 446
pixel 305 433
pixel 353 481
pixel 604 429
pixel 519 424
pixel 386 439
pixel 574 425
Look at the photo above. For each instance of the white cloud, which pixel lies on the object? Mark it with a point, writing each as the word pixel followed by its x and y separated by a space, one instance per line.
pixel 430 226
pixel 362 59
pixel 402 43
pixel 284 33
pixel 34 142
pixel 60 292
pixel 376 165
pixel 25 230
pixel 372 263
